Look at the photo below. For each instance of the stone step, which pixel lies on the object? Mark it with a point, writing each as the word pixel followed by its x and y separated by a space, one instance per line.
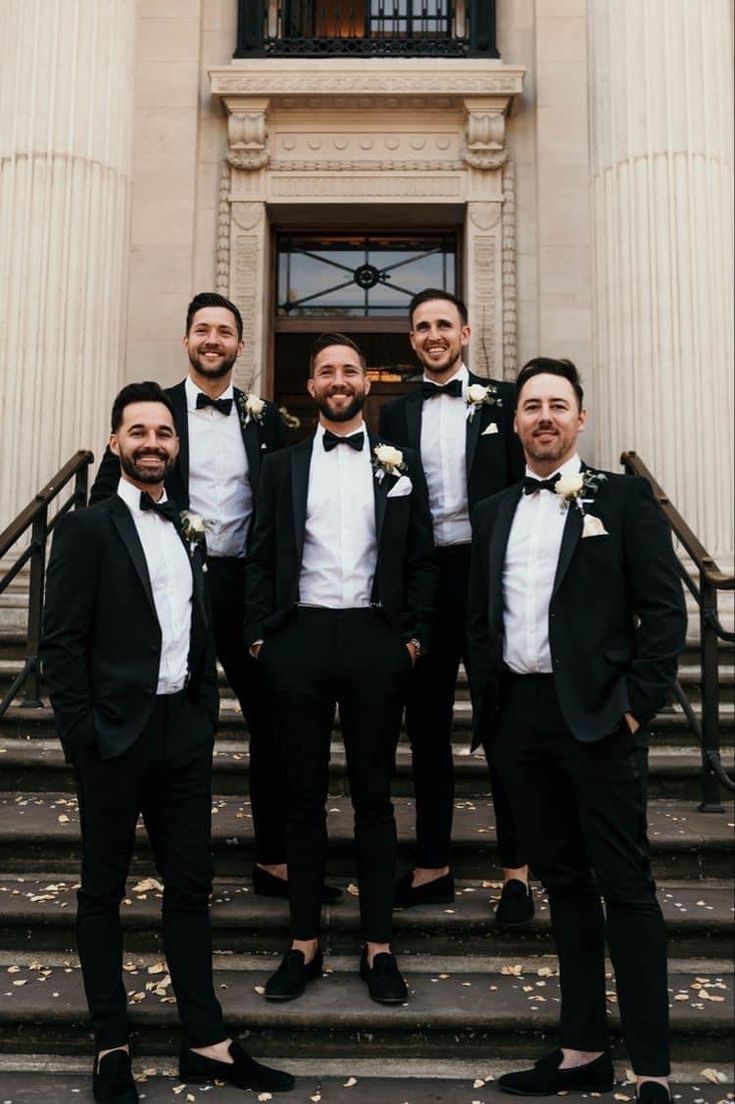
pixel 159 1081
pixel 38 912
pixel 39 832
pixel 38 765
pixel 469 1010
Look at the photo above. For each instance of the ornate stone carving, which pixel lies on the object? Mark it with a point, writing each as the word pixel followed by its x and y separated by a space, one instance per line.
pixel 247 216
pixel 366 166
pixel 485 260
pixel 367 83
pixel 510 317
pixel 222 279
pixel 484 215
pixel 376 187
pixel 243 291
pixel 247 134
pixel 485 134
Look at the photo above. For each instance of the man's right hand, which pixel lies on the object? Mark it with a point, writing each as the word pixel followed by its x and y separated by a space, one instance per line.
pixel 254 649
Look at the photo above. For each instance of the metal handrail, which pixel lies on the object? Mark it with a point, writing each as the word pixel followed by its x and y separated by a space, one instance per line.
pixel 35 517
pixel 711 580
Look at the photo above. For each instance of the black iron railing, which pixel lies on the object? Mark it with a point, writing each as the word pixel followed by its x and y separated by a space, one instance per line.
pixel 370 28
pixel 711 581
pixel 36 518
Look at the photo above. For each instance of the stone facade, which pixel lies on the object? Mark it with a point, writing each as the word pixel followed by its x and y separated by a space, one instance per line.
pixel 589 172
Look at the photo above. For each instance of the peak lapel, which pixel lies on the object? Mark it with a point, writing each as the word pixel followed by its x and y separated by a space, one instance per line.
pixel 498 547
pixel 123 521
pixel 250 437
pixel 473 430
pixel 181 421
pixel 300 463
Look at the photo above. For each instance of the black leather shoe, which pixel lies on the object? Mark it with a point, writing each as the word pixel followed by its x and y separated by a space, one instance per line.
pixel 438 892
pixel 384 981
pixel 244 1072
pixel 289 980
pixel 515 907
pixel 546 1078
pixel 112 1081
pixel 268 885
pixel 650 1092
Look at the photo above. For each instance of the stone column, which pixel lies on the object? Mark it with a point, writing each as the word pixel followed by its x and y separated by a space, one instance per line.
pixel 66 86
pixel 661 183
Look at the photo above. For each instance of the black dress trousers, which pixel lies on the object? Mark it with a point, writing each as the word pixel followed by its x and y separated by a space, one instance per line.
pixel 355 661
pixel 166 776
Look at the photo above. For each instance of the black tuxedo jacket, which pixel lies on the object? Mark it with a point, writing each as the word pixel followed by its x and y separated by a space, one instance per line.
pixel 405 576
pixel 259 438
pixel 494 460
pixel 101 640
pixel 617 620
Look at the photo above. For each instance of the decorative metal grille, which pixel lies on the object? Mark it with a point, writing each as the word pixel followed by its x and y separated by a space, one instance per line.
pixel 314 28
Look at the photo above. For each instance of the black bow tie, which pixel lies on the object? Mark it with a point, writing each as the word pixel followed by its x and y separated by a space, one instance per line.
pixel 531 485
pixel 429 390
pixel 355 440
pixel 223 405
pixel 166 510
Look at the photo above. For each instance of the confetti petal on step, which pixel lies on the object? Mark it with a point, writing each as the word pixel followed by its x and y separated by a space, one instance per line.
pixel 63 819
pixel 259 989
pixel 717 1077
pixel 350 1082
pixel 353 890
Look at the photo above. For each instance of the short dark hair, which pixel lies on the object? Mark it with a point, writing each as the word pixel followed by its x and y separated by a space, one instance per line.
pixel 546 366
pixel 148 391
pixel 327 340
pixel 212 299
pixel 428 294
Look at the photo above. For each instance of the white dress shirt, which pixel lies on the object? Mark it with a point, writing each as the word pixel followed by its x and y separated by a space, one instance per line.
pixel 171 582
pixel 340 548
pixel 531 559
pixel 219 488
pixel 443 456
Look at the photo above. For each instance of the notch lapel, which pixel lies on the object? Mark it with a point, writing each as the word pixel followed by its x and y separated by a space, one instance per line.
pixel 122 519
pixel 300 463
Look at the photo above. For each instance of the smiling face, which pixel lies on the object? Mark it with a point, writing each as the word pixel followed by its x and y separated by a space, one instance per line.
pixel 548 419
pixel 146 443
pixel 338 385
pixel 212 343
pixel 438 337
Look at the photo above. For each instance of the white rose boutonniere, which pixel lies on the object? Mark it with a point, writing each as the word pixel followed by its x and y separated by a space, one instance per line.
pixel 578 486
pixel 387 460
pixel 252 407
pixel 193 529
pixel 481 394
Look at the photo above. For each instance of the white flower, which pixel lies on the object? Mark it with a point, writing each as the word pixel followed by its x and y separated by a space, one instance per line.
pixel 476 393
pixel 480 394
pixel 388 456
pixel 193 528
pixel 254 405
pixel 570 484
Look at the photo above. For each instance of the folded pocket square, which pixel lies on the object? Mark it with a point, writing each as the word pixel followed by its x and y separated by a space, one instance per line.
pixel 592 527
pixel 404 486
pixel 492 428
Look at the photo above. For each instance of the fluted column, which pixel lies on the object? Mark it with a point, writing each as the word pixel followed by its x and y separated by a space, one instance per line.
pixel 662 159
pixel 66 88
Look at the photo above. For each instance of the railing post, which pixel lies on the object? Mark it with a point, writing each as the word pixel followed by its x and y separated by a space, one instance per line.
pixel 32 691
pixel 711 800
pixel 250 19
pixel 81 481
pixel 482 29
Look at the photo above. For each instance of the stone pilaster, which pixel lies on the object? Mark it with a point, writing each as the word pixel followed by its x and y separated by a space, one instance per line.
pixel 66 86
pixel 662 157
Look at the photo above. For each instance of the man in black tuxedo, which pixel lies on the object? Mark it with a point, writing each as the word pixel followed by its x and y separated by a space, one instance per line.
pixel 576 621
pixel 225 434
pixel 129 660
pixel 468 451
pixel 340 592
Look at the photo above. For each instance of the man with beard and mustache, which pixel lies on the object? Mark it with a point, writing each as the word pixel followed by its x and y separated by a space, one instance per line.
pixel 224 436
pixel 340 592
pixel 128 656
pixel 462 424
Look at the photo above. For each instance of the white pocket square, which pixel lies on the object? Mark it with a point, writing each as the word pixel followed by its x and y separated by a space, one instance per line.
pixel 592 527
pixel 492 428
pixel 404 486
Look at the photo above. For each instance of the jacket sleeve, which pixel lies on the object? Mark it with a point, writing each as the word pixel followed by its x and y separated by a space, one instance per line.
pixel 71 583
pixel 420 560
pixel 658 602
pixel 260 589
pixel 107 478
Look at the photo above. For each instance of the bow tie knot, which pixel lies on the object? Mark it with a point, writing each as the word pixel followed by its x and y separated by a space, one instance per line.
pixel 223 405
pixel 355 440
pixel 430 390
pixel 531 485
pixel 166 510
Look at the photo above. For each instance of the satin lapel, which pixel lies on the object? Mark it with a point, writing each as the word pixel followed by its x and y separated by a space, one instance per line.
pixel 498 547
pixel 380 490
pixel 123 521
pixel 569 539
pixel 250 438
pixel 414 406
pixel 473 429
pixel 300 463
pixel 181 421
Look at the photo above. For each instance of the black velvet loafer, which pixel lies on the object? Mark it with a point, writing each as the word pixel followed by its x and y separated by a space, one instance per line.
pixel 112 1080
pixel 546 1079
pixel 266 884
pixel 291 977
pixel 438 892
pixel 515 908
pixel 651 1092
pixel 243 1072
pixel 384 980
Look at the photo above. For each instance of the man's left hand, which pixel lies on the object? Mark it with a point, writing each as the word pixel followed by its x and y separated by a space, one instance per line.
pixel 411 651
pixel 632 722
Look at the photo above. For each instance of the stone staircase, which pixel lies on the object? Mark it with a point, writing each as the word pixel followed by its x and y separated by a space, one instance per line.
pixel 481 1002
